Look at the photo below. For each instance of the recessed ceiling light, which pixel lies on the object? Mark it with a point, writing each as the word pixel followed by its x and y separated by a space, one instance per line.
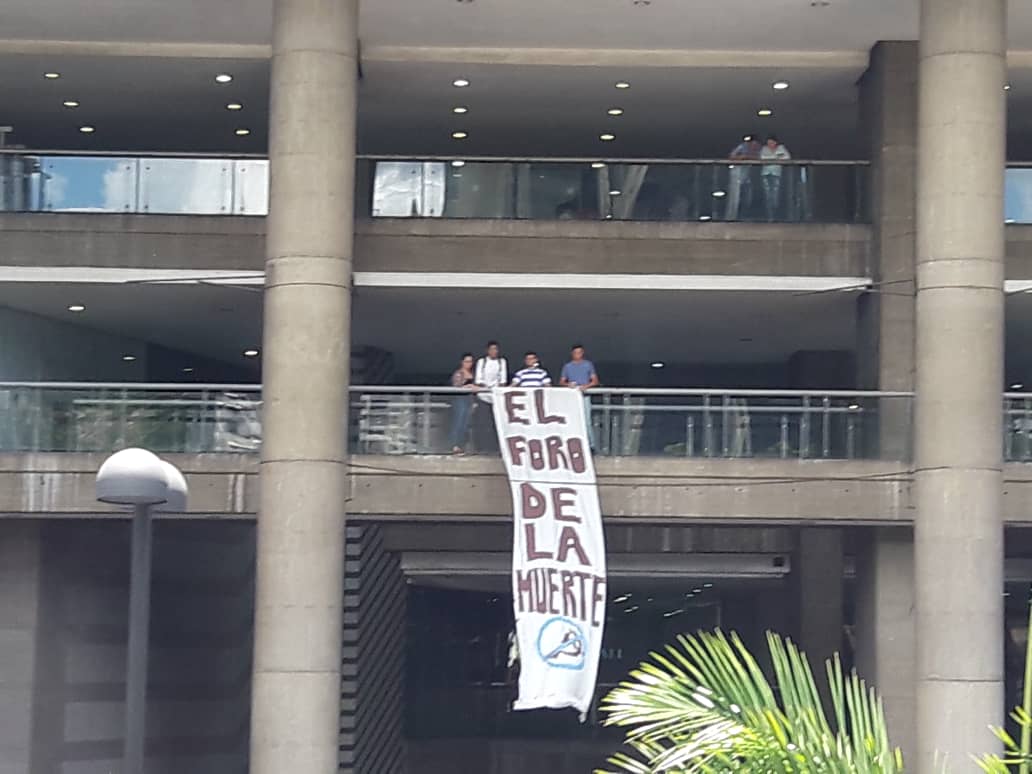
pixel 128 358
pixel 615 111
pixel 705 217
pixel 242 132
pixel 658 364
pixel 607 137
pixel 70 103
pixel 87 129
pixel 1017 386
pixel 459 135
pixel 234 106
pixel 1009 221
pixel 187 370
pixel 615 192
pixel 460 110
pixel 598 165
pixel 719 194
pixel 1007 87
pixel 76 308
pixel 458 163
pixel 747 138
pixel 460 83
pixel 51 76
pixel 223 78
pixel 780 85
pixel 623 85
pixel 250 353
pixel 764 112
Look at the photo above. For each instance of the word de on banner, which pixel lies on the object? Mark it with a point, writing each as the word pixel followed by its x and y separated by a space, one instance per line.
pixel 559 553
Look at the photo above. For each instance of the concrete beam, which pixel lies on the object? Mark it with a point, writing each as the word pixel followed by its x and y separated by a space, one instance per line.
pixel 446 489
pixel 238 243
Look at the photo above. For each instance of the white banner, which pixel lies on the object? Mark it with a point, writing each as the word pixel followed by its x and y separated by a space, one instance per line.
pixel 559 552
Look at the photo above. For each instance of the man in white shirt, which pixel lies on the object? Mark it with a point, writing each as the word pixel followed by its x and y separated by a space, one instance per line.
pixel 773 150
pixel 491 371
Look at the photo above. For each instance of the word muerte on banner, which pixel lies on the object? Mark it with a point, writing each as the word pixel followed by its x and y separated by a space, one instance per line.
pixel 559 553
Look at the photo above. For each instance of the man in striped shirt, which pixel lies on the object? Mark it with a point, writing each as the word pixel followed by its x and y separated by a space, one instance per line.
pixel 532 375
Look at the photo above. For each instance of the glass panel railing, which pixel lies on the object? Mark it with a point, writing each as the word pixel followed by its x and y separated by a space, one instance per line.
pixel 133 184
pixel 100 418
pixel 416 420
pixel 1017 427
pixel 647 190
pixel 646 422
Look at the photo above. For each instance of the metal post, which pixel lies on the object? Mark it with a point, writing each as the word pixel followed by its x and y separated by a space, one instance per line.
pixel 139 625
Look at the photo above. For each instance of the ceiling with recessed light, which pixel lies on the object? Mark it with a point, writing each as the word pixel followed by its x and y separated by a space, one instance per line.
pixel 542 75
pixel 677 328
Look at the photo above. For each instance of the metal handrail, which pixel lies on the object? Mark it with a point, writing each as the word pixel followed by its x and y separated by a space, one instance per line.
pixel 444 390
pixel 433 158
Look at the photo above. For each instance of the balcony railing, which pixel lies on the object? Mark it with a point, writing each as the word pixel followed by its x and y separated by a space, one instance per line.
pixel 445 187
pixel 629 189
pixel 55 417
pixel 492 188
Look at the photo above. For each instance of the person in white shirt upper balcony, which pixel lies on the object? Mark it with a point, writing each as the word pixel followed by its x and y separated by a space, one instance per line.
pixel 491 371
pixel 773 150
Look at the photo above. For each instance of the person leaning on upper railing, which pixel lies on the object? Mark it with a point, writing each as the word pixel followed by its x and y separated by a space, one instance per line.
pixel 773 150
pixel 740 176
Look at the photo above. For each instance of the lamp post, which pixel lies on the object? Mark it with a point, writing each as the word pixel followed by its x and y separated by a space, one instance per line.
pixel 141 480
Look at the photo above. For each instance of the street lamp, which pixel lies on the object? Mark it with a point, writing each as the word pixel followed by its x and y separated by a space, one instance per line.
pixel 140 479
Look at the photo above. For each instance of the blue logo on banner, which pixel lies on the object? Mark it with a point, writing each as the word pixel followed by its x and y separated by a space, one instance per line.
pixel 561 644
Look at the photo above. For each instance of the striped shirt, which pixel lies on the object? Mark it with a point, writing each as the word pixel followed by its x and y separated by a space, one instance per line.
pixel 535 376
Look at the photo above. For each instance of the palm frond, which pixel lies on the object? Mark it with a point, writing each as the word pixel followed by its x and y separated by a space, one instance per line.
pixel 704 705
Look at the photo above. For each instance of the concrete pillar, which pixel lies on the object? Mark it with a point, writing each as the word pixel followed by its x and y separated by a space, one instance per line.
pixel 300 547
pixel 960 304
pixel 818 574
pixel 885 627
pixel 888 102
pixel 20 571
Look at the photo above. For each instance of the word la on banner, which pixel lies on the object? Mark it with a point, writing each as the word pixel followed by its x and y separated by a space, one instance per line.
pixel 559 553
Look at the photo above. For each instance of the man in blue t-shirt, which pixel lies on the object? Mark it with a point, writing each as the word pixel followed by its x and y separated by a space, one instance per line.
pixel 580 374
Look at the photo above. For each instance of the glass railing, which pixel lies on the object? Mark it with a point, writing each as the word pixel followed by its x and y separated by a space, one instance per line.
pixel 584 189
pixel 395 187
pixel 169 185
pixel 1017 427
pixel 418 420
pixel 640 190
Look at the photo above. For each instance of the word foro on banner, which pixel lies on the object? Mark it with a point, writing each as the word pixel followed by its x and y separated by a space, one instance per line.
pixel 559 554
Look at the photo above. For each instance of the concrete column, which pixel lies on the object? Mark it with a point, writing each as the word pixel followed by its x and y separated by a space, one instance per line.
pixel 818 573
pixel 300 547
pixel 20 571
pixel 888 101
pixel 960 304
pixel 885 627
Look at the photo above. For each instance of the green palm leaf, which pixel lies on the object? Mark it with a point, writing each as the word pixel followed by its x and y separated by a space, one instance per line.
pixel 704 705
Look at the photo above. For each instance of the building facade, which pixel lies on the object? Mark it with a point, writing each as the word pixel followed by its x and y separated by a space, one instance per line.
pixel 259 237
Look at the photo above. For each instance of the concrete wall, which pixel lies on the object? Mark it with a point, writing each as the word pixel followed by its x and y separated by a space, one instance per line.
pixel 34 348
pixel 63 623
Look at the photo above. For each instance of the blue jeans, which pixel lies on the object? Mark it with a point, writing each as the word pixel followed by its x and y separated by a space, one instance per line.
pixel 462 408
pixel 589 426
